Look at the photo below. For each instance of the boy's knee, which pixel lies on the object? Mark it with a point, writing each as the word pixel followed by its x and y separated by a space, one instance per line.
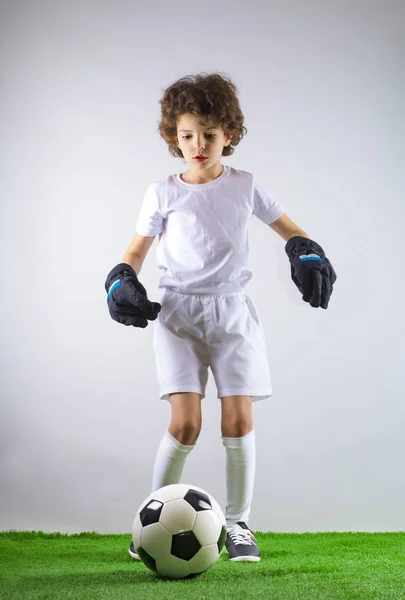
pixel 237 428
pixel 185 432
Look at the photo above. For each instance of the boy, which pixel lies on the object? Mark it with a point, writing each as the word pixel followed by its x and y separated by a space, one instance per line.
pixel 205 319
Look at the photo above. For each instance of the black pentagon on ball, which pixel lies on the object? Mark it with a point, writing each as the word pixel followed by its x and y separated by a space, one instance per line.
pixel 147 559
pixel 198 500
pixel 221 539
pixel 151 513
pixel 185 545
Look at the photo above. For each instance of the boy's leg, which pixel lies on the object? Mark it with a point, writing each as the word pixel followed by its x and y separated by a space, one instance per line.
pixel 177 442
pixel 238 437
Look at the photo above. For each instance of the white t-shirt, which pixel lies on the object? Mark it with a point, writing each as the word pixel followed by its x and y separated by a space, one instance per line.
pixel 203 229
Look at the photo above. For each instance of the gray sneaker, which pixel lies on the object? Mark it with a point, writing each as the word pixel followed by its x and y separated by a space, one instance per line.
pixel 241 544
pixel 132 552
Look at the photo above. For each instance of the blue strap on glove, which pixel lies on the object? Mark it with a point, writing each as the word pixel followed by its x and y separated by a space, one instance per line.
pixel 311 271
pixel 127 298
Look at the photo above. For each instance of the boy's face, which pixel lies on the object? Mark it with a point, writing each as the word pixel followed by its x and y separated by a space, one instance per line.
pixel 194 139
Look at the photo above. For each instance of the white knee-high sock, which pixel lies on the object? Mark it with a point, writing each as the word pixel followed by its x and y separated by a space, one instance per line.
pixel 240 476
pixel 169 462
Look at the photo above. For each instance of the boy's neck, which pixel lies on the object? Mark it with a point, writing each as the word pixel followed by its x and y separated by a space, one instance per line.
pixel 202 177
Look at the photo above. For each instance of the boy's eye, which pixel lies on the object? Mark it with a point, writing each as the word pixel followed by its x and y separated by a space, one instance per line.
pixel 185 137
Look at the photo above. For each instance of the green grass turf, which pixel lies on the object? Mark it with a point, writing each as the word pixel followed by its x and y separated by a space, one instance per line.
pixel 335 566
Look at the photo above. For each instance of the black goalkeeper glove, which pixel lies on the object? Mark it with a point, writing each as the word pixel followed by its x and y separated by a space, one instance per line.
pixel 127 298
pixel 311 271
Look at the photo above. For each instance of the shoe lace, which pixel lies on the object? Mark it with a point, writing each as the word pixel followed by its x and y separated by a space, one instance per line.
pixel 241 537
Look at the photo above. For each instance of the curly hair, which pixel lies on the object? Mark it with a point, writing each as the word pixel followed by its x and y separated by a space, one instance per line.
pixel 207 97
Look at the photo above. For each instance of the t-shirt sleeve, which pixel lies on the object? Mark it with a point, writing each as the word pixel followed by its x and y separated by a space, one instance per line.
pixel 150 220
pixel 265 207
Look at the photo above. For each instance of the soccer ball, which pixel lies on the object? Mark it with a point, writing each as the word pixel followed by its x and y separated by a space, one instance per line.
pixel 179 530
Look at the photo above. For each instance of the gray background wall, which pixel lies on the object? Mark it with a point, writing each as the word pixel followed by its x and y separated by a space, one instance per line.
pixel 322 88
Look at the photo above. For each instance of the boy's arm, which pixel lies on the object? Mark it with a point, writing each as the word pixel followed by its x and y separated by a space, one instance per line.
pixel 137 251
pixel 287 228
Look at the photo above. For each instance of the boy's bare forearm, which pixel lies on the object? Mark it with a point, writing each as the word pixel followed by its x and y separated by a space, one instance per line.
pixel 133 260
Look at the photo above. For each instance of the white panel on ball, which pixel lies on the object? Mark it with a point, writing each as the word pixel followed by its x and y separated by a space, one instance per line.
pixel 218 510
pixel 207 527
pixel 204 559
pixel 170 492
pixel 137 531
pixel 173 567
pixel 156 540
pixel 177 516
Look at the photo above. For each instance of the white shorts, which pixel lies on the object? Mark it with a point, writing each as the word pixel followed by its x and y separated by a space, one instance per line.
pixel 223 332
